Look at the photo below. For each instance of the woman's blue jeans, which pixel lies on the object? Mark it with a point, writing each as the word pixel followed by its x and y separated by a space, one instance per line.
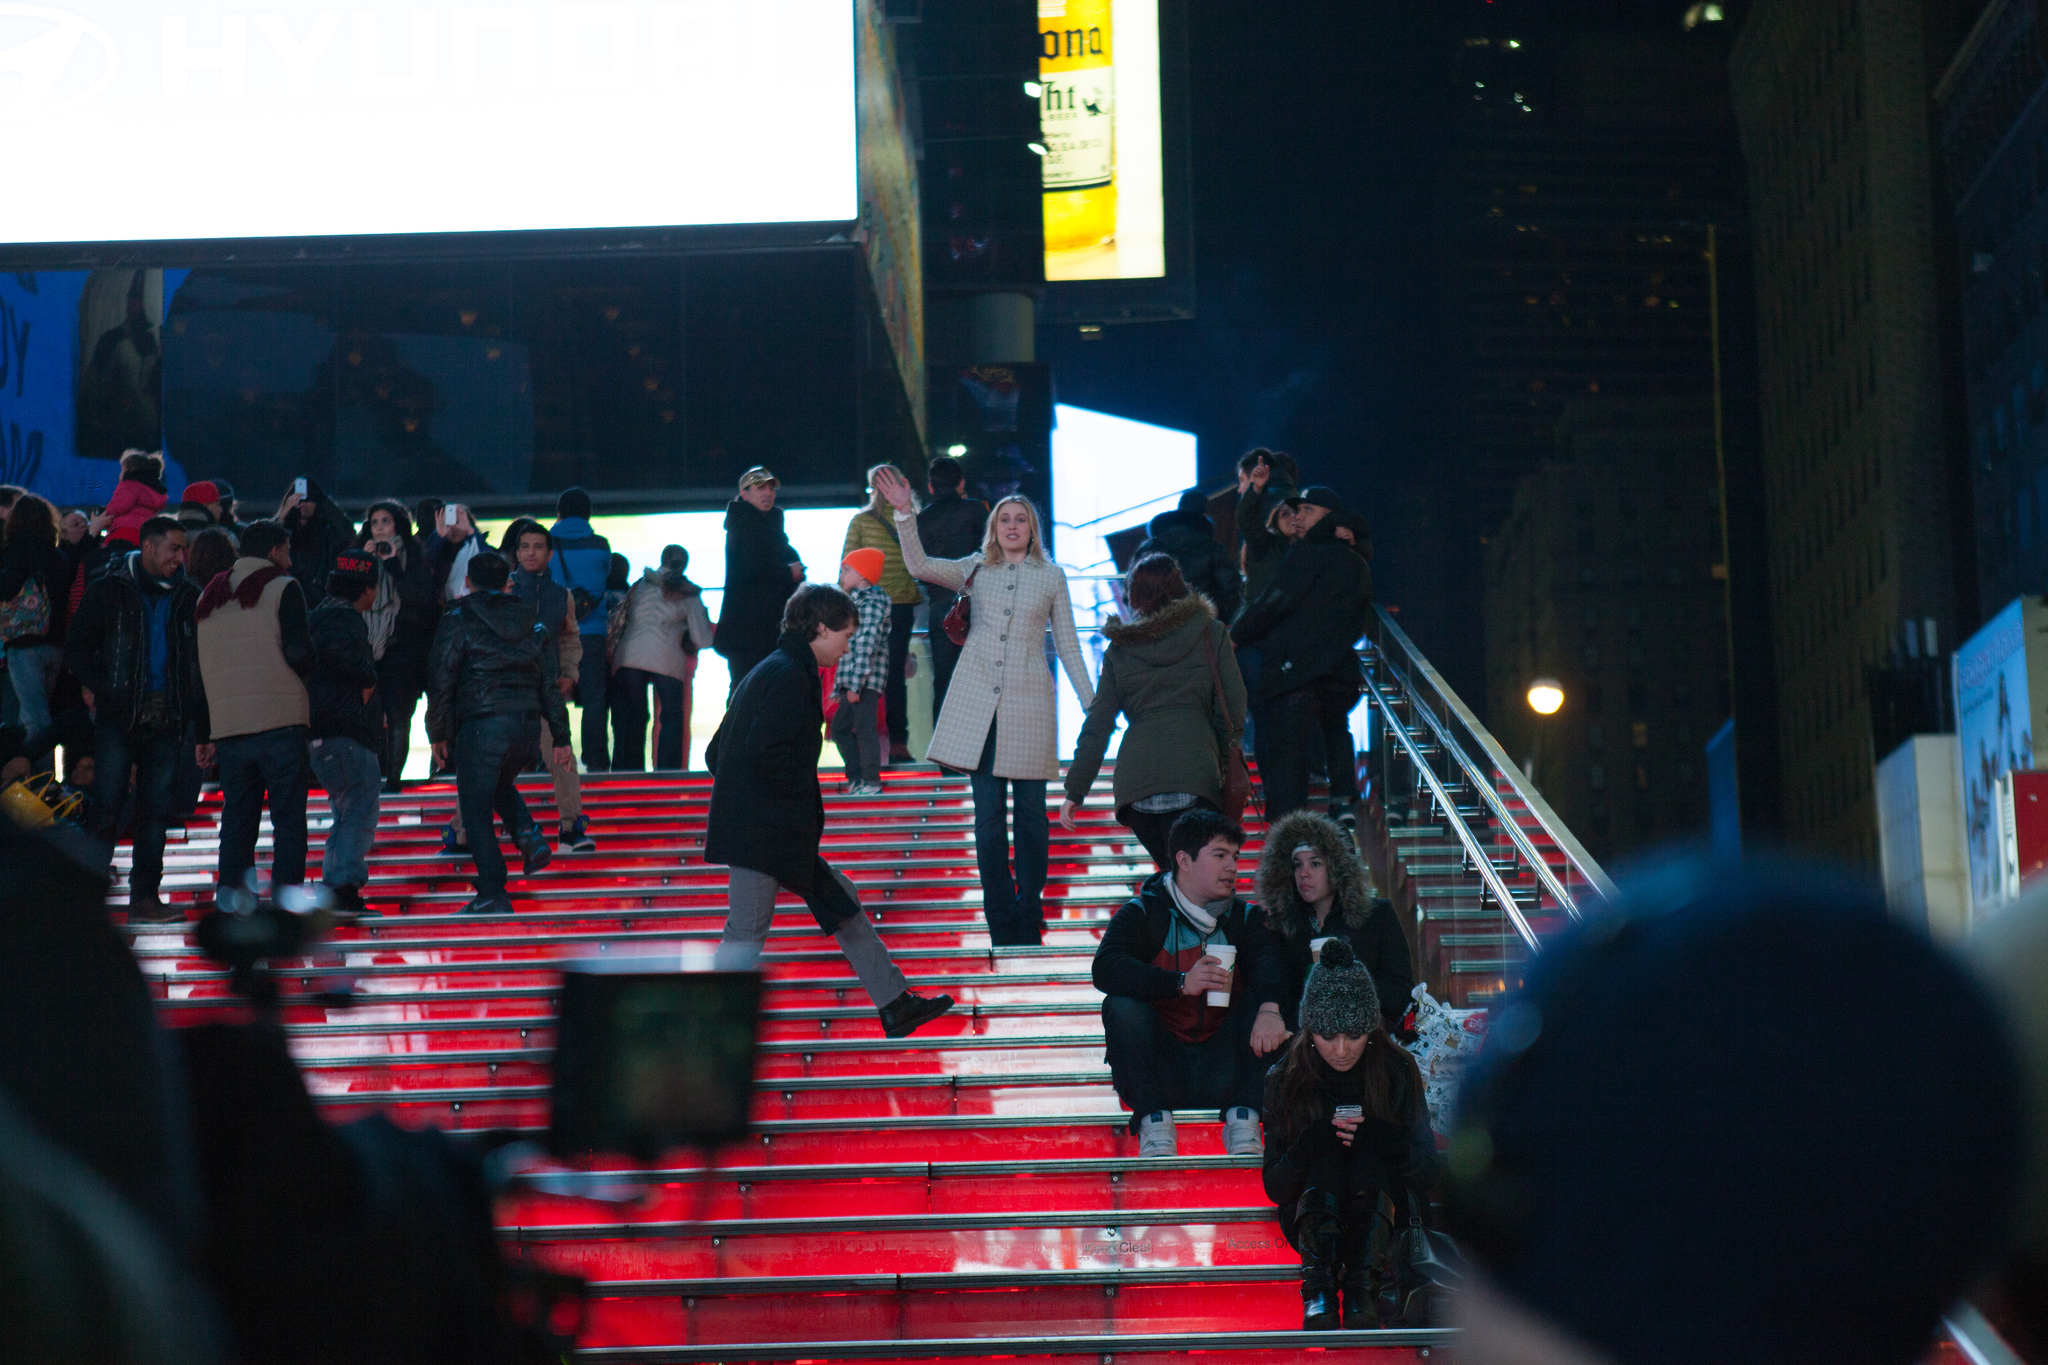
pixel 1012 901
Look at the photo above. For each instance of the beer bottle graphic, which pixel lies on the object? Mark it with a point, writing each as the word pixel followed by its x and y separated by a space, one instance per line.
pixel 1078 122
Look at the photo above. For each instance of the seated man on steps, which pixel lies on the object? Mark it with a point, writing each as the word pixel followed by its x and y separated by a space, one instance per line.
pixel 767 815
pixel 1168 1047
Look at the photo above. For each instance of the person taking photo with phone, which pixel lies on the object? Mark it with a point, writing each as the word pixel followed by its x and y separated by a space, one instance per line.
pixel 1346 1123
pixel 401 623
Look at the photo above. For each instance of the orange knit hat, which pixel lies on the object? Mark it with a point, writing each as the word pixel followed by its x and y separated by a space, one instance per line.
pixel 867 561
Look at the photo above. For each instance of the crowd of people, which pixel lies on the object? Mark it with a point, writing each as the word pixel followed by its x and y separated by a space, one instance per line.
pixel 1658 1157
pixel 157 646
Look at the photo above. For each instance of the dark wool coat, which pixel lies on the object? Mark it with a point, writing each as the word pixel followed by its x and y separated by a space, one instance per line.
pixel 767 814
pixel 1369 924
pixel 107 646
pixel 1156 672
pixel 1208 567
pixel 757 580
pixel 1307 623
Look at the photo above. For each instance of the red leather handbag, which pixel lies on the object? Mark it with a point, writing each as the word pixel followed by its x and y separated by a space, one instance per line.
pixel 961 618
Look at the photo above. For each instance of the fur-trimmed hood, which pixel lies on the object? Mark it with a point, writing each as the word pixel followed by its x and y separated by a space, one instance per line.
pixel 1285 912
pixel 1166 635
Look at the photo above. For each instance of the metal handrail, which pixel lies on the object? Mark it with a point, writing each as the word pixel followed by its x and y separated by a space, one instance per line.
pixel 1567 843
pixel 1487 871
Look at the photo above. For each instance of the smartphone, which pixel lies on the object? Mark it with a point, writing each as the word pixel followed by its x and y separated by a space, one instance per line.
pixel 299 487
pixel 451 515
pixel 1350 1111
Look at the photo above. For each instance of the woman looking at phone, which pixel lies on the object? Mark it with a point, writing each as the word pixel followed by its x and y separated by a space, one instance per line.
pixel 999 724
pixel 1346 1125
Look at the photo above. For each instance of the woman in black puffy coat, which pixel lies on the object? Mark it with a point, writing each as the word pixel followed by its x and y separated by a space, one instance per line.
pixel 402 623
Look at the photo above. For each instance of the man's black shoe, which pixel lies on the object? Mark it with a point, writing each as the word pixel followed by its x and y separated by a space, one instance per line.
pixel 909 1012
pixel 500 904
pixel 535 850
pixel 152 910
pixel 348 902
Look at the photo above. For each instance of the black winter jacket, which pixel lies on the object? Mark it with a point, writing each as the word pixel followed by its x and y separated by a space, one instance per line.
pixel 757 580
pixel 319 531
pixel 767 814
pixel 952 527
pixel 492 657
pixel 1137 933
pixel 1379 944
pixel 342 667
pixel 106 651
pixel 50 567
pixel 1307 623
pixel 1190 538
pixel 1404 1148
pixel 411 572
pixel 1262 548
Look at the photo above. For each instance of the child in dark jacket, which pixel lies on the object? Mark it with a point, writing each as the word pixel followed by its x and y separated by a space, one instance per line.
pixel 1346 1123
pixel 139 496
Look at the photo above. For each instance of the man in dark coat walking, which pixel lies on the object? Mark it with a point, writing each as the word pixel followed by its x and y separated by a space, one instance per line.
pixel 1306 626
pixel 761 571
pixel 768 816
pixel 1188 537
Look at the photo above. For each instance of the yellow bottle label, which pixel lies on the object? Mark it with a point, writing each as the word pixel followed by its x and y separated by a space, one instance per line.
pixel 1077 119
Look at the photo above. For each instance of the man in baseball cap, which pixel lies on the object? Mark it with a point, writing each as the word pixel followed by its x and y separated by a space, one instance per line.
pixel 1306 626
pixel 760 476
pixel 347 724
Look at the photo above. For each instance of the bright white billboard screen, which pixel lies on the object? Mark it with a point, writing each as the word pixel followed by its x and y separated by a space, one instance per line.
pixel 137 120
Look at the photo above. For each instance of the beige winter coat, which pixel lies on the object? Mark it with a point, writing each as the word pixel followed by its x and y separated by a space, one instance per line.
pixel 655 626
pixel 1001 676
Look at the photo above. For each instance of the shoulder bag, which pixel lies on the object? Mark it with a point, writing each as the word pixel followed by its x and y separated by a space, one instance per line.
pixel 27 614
pixel 961 618
pixel 1237 778
pixel 1423 1265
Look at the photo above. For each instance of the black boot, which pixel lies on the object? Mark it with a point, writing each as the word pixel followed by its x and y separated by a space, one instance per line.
pixel 1364 1244
pixel 1316 1235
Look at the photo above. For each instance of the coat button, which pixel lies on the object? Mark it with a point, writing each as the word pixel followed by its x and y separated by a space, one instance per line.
pixel 1006 637
pixel 995 689
pixel 1006 611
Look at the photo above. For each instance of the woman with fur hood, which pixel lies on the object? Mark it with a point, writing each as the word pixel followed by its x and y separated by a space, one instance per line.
pixel 1314 885
pixel 1158 673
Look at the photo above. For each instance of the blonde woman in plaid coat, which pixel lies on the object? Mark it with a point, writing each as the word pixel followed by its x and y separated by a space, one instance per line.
pixel 1000 720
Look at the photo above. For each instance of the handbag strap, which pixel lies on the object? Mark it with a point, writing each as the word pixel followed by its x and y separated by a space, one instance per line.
pixel 1216 681
pixel 967 588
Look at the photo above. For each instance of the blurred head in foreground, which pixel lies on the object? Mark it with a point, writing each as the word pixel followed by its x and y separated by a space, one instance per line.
pixel 1740 1114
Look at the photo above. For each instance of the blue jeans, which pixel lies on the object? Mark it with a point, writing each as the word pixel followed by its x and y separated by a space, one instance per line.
pixel 351 775
pixel 33 670
pixel 1012 904
pixel 490 753
pixel 272 763
pixel 153 754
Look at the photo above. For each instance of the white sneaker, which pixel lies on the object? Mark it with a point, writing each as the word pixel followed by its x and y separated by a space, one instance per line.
pixel 1155 1135
pixel 1241 1132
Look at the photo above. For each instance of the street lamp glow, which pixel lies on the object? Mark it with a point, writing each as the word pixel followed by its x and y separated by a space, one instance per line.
pixel 956 451
pixel 1546 698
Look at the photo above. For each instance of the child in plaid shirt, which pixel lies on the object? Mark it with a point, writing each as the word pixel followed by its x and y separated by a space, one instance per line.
pixel 863 673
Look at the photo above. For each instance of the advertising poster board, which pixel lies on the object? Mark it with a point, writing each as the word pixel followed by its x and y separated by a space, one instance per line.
pixel 1101 125
pixel 2001 687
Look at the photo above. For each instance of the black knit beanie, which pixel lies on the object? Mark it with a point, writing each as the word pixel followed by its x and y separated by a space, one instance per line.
pixel 1339 997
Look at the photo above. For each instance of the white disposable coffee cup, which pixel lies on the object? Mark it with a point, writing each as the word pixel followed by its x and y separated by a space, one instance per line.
pixel 1315 946
pixel 1226 953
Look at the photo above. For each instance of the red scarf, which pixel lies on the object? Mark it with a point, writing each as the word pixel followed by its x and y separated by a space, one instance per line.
pixel 221 589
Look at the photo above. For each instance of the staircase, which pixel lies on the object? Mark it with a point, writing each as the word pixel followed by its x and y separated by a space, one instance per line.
pixel 966 1192
pixel 1480 867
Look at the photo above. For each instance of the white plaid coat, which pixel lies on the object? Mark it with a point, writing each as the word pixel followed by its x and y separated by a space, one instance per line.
pixel 1002 677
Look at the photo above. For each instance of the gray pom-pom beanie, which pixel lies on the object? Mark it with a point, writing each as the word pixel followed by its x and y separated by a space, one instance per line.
pixel 1339 997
